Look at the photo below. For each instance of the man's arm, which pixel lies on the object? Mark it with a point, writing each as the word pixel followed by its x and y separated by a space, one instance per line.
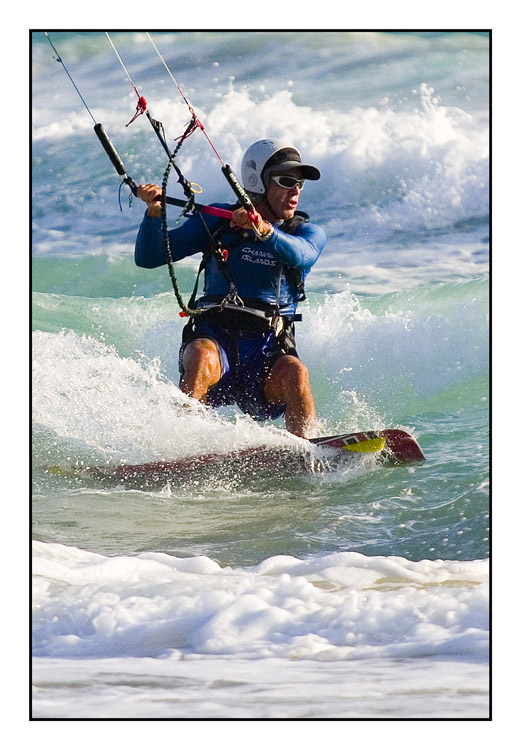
pixel 300 250
pixel 188 239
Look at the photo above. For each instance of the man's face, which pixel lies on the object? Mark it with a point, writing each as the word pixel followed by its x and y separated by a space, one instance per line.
pixel 283 202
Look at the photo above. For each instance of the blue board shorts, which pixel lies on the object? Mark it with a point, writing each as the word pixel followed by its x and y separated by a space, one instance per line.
pixel 246 360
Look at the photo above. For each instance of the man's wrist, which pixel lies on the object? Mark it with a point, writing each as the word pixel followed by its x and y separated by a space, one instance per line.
pixel 154 212
pixel 266 231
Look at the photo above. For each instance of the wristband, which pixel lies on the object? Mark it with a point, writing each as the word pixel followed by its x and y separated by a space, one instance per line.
pixel 267 235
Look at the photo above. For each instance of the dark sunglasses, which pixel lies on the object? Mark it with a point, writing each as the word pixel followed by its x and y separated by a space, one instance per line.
pixel 287 182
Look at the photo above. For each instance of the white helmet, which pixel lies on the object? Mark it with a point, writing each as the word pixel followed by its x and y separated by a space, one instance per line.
pixel 275 155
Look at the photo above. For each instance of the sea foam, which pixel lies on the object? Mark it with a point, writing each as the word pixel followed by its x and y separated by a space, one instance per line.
pixel 333 607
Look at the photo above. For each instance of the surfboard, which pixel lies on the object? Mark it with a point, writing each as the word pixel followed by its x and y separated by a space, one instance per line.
pixel 389 447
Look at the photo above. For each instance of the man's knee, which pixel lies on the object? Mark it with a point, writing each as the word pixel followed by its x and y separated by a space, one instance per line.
pixel 288 376
pixel 293 370
pixel 201 364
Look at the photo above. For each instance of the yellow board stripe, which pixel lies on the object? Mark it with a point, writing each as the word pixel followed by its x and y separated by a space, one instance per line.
pixel 56 470
pixel 367 446
pixel 59 472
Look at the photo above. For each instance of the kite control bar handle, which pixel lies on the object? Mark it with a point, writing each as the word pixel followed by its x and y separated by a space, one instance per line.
pixel 240 192
pixel 120 169
pixel 110 150
pixel 243 197
pixel 114 156
pixel 237 188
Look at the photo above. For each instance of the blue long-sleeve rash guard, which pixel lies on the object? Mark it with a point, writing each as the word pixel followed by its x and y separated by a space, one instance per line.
pixel 255 266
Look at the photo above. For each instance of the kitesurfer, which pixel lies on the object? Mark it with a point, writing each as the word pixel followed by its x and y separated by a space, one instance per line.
pixel 241 348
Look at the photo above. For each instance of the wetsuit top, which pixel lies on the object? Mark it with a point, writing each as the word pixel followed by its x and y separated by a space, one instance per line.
pixel 255 266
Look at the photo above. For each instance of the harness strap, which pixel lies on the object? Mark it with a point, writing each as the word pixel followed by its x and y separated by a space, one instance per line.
pixel 221 255
pixel 293 275
pixel 245 310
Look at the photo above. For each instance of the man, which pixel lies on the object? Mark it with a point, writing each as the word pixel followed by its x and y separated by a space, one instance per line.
pixel 241 348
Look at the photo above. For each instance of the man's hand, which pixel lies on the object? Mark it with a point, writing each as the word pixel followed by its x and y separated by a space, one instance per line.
pixel 151 195
pixel 250 220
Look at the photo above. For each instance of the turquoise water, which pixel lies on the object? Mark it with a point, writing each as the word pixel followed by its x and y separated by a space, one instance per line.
pixel 311 577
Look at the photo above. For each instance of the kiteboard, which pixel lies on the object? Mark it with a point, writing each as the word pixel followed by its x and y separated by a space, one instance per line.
pixel 396 446
pixel 388 447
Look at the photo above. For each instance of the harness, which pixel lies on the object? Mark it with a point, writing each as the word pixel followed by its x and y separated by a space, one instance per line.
pixel 215 249
pixel 239 315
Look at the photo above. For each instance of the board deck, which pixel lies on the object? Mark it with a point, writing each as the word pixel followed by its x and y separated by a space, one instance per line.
pixel 389 446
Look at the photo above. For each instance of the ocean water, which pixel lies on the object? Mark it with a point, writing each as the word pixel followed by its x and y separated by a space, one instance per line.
pixel 354 591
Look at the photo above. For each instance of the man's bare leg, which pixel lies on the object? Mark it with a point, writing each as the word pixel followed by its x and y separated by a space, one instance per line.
pixel 288 383
pixel 202 368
